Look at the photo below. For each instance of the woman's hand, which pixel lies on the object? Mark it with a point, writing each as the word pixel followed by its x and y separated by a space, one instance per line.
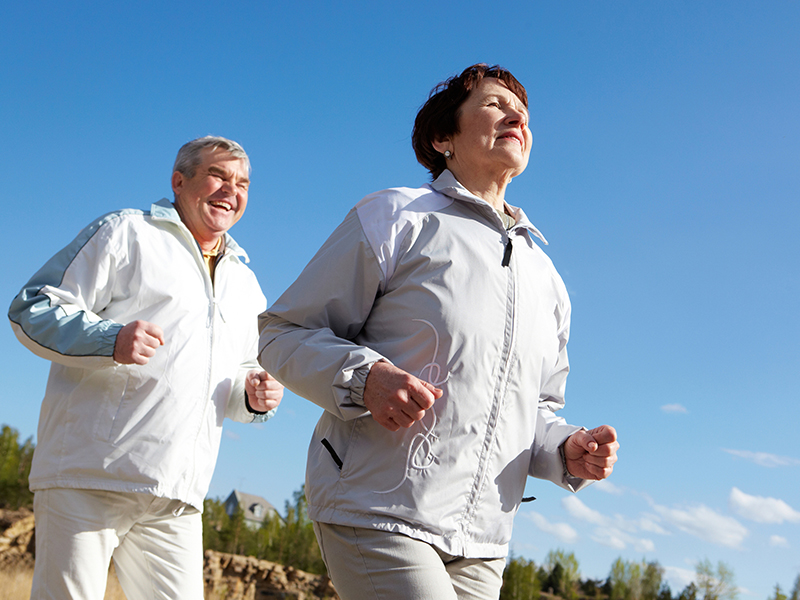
pixel 395 398
pixel 592 454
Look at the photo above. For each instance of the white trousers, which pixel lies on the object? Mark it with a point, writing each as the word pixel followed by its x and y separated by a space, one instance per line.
pixel 369 564
pixel 156 543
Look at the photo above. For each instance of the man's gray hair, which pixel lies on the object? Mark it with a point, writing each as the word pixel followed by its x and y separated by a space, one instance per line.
pixel 189 156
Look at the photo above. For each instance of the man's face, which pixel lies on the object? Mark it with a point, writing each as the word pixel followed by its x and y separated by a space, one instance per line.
pixel 213 199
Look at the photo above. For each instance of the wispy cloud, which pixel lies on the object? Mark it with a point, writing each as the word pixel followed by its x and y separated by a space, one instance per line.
pixel 761 509
pixel 562 531
pixel 765 459
pixel 705 524
pixel 604 485
pixel 614 532
pixel 674 408
pixel 678 578
pixel 778 541
pixel 650 523
pixel 580 511
pixel 232 436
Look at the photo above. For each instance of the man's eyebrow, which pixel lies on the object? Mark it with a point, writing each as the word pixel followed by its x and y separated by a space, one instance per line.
pixel 220 170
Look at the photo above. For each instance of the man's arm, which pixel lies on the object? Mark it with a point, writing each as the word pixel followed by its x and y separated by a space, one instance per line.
pixel 137 343
pixel 263 391
pixel 55 315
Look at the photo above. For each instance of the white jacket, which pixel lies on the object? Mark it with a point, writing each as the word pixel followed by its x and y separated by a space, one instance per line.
pixel 417 277
pixel 154 428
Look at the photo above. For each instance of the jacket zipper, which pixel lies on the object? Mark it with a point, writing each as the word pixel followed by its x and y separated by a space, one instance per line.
pixel 491 434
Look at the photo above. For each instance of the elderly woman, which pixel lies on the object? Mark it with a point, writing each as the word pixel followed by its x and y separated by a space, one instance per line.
pixel 432 329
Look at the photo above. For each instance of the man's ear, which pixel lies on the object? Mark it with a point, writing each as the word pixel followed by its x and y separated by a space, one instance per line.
pixel 177 182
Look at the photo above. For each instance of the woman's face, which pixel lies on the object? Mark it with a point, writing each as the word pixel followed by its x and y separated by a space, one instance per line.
pixel 493 138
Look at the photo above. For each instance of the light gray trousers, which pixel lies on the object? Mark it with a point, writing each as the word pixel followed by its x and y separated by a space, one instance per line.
pixel 369 564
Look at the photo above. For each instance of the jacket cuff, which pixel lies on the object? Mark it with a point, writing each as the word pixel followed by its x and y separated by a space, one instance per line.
pixel 358 382
pixel 250 409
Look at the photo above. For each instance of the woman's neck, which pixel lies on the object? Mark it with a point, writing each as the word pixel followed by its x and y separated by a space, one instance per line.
pixel 490 189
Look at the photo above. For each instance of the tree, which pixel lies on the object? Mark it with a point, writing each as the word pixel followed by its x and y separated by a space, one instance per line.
pixel 715 584
pixel 618 580
pixel 520 580
pixel 795 595
pixel 689 592
pixel 636 581
pixel 563 573
pixel 289 541
pixel 15 466
pixel 779 595
pixel 652 579
pixel 593 589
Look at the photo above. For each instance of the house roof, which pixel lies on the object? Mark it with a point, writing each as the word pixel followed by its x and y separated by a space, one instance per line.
pixel 255 507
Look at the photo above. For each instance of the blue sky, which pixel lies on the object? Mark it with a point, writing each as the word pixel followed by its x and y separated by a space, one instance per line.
pixel 665 174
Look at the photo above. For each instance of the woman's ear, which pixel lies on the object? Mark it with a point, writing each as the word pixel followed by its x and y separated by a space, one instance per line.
pixel 442 145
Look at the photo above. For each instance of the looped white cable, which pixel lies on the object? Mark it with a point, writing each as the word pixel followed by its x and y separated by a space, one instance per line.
pixel 423 442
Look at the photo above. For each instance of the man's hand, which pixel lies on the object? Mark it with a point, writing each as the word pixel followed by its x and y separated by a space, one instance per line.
pixel 263 391
pixel 592 454
pixel 395 398
pixel 137 342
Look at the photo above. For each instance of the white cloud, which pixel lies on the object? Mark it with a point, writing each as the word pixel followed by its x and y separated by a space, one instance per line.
pixel 604 485
pixel 609 538
pixel 650 523
pixel 778 541
pixel 580 511
pixel 761 509
pixel 764 459
pixel 678 578
pixel 706 524
pixel 614 532
pixel 674 408
pixel 232 436
pixel 562 531
pixel 644 545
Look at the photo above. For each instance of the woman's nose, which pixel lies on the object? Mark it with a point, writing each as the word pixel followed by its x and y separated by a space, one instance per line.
pixel 517 117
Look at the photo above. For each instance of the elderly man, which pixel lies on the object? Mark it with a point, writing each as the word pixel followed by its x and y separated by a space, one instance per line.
pixel 149 319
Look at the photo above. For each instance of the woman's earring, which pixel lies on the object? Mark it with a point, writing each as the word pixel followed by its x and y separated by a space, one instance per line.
pixel 447 154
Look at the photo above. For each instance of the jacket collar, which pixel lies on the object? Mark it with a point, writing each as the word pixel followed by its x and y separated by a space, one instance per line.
pixel 164 210
pixel 448 185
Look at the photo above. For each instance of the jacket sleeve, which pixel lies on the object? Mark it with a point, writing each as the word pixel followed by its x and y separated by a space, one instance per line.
pixel 551 430
pixel 56 313
pixel 248 300
pixel 237 409
pixel 306 336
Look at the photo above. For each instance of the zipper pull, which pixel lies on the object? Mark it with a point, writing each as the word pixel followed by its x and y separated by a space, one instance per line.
pixel 507 254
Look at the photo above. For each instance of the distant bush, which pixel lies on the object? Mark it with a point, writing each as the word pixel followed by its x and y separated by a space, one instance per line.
pixel 15 466
pixel 287 540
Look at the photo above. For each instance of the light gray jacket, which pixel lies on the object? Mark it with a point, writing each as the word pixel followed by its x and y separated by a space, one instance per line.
pixel 417 277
